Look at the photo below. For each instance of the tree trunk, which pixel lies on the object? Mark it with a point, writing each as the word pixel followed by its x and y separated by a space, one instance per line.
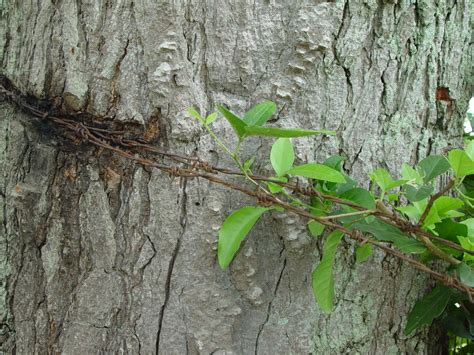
pixel 100 255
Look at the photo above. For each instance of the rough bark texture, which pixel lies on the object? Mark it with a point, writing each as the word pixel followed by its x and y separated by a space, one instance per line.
pixel 100 255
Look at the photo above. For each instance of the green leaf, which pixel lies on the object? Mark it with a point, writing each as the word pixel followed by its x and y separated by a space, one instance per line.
pixel 284 132
pixel 380 230
pixel 384 180
pixel 428 308
pixel 433 166
pixel 456 325
pixel 387 233
pixel 415 210
pixel 443 207
pixel 469 223
pixel 211 118
pixel 235 121
pixel 411 175
pixel 432 217
pixel 410 246
pixel 316 228
pixel 450 230
pixel 248 163
pixel 360 196
pixel 195 114
pixel 348 185
pixel 445 204
pixel 392 197
pixel 461 163
pixel 335 162
pixel 468 185
pixel 413 194
pixel 466 274
pixel 323 282
pixel 317 171
pixel 234 230
pixel 260 113
pixel 282 156
pixel 363 253
pixel 468 244
pixel 469 149
pixel 275 188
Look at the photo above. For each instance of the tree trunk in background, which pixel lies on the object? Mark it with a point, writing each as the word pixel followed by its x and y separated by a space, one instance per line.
pixel 100 255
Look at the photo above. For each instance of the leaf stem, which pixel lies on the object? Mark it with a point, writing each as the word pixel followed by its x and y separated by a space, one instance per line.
pixel 218 141
pixel 349 214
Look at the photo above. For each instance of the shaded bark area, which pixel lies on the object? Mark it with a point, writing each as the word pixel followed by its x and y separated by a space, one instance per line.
pixel 99 255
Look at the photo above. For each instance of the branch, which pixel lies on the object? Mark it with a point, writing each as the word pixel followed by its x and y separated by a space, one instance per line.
pixel 106 139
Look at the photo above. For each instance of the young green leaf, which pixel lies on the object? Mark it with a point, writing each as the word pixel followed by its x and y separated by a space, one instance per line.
pixel 316 228
pixel 432 217
pixel 248 163
pixel 317 171
pixel 282 156
pixel 275 188
pixel 469 223
pixel 466 274
pixel 233 231
pixel 323 282
pixel 461 163
pixel 411 175
pixel 211 118
pixel 413 194
pixel 235 121
pixel 284 132
pixel 428 308
pixel 195 114
pixel 392 197
pixel 260 113
pixel 433 166
pixel 468 244
pixel 446 204
pixel 363 253
pixel 414 210
pixel 443 207
pixel 384 180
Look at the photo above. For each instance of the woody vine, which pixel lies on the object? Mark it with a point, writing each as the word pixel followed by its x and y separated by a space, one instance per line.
pixel 404 217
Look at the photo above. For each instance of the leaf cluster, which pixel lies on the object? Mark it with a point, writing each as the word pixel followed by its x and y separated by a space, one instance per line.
pixel 403 216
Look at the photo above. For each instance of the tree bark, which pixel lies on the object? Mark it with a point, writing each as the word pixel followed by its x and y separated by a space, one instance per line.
pixel 99 255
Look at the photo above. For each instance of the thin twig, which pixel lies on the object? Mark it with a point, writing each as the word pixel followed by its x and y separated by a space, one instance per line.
pixel 433 198
pixel 349 214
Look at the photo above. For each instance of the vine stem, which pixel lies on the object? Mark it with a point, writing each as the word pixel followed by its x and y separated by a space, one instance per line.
pixel 433 198
pixel 422 238
pixel 109 140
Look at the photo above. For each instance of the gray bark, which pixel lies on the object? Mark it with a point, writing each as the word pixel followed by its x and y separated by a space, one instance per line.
pixel 99 255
